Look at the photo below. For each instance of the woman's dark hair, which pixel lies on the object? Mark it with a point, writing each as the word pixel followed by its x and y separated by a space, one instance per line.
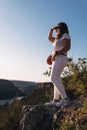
pixel 63 29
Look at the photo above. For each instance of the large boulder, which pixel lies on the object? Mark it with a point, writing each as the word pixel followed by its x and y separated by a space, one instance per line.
pixel 37 117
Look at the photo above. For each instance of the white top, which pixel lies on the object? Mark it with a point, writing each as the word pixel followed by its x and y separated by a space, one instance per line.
pixel 58 44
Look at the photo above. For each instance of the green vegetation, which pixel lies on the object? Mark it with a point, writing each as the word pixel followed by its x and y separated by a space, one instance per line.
pixel 75 119
pixel 10 116
pixel 75 81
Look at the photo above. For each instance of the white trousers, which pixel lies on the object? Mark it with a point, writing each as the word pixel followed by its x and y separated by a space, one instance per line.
pixel 57 67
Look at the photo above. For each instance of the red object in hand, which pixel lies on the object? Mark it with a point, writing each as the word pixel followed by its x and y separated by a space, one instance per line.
pixel 49 60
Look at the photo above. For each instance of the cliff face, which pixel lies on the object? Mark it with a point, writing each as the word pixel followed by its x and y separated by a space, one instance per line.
pixel 24 86
pixel 8 90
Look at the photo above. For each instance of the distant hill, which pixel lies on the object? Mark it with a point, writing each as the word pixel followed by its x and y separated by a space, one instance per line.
pixel 24 86
pixel 8 90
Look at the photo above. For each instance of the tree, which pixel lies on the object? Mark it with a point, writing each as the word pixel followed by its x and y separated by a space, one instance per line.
pixel 72 67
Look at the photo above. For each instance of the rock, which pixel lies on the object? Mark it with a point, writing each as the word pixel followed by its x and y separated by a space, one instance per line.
pixel 41 117
pixel 37 117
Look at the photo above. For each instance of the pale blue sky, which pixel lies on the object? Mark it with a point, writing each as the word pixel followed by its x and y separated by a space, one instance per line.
pixel 24 27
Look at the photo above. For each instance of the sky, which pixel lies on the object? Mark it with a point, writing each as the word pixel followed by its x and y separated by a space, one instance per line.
pixel 24 28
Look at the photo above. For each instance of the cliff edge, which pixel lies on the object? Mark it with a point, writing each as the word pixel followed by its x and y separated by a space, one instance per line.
pixel 41 117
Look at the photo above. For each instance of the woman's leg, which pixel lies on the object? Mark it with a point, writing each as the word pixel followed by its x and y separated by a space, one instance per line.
pixel 56 93
pixel 57 67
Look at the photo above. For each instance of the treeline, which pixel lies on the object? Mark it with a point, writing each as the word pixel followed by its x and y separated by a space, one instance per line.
pixel 74 78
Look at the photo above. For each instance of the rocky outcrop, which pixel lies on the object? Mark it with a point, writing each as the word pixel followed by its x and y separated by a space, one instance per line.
pixel 38 117
pixel 41 117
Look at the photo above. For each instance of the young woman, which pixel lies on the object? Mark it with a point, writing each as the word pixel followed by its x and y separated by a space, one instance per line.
pixel 61 45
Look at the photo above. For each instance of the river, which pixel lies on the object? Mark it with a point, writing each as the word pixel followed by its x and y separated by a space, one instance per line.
pixel 3 102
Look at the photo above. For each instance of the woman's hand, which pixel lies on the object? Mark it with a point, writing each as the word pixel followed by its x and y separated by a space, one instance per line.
pixel 50 37
pixel 55 27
